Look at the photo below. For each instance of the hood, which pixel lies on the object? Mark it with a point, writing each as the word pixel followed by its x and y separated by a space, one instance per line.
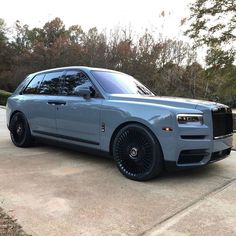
pixel 168 101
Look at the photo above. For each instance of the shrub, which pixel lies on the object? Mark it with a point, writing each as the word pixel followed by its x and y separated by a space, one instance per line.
pixel 3 97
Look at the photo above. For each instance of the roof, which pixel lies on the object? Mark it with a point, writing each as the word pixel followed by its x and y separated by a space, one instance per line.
pixel 84 68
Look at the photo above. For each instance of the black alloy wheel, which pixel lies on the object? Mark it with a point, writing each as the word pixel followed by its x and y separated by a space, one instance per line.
pixel 20 131
pixel 137 153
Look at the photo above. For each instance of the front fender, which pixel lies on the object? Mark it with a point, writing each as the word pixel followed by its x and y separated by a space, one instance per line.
pixel 154 117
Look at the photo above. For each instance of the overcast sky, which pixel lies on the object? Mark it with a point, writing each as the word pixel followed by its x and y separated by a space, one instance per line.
pixel 139 14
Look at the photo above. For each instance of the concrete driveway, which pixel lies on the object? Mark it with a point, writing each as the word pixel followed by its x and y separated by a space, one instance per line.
pixel 53 191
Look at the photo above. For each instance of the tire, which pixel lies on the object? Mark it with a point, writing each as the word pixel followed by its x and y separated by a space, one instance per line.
pixel 20 131
pixel 137 153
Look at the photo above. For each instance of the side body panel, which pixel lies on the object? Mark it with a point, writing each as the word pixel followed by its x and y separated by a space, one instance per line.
pixel 40 115
pixel 79 120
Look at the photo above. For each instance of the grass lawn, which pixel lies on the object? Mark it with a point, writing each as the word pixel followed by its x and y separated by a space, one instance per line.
pixel 3 97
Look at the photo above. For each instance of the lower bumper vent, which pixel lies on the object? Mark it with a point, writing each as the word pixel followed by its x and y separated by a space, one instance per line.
pixel 192 156
pixel 220 155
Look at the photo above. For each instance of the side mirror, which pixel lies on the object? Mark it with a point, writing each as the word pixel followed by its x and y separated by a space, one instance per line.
pixel 83 92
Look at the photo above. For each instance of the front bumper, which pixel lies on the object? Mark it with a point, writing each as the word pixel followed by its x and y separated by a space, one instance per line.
pixel 215 156
pixel 194 153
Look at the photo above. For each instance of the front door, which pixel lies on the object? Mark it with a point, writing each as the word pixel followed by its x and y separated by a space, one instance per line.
pixel 78 120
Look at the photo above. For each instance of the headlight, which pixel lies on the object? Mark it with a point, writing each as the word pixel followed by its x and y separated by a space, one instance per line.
pixel 191 119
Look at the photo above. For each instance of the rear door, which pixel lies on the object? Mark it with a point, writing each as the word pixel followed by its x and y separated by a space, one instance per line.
pixel 78 120
pixel 40 105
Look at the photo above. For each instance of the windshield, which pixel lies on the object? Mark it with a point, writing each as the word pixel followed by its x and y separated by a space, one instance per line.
pixel 118 83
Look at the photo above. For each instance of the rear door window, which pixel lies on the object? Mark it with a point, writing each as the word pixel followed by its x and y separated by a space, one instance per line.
pixel 33 86
pixel 51 83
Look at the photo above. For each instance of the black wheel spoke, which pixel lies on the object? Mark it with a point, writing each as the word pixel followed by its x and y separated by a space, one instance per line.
pixel 134 152
pixel 19 129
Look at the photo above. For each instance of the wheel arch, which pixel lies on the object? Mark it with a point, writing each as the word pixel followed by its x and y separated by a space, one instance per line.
pixel 12 114
pixel 24 139
pixel 115 132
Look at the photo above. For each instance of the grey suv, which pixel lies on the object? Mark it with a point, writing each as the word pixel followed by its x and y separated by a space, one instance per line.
pixel 112 112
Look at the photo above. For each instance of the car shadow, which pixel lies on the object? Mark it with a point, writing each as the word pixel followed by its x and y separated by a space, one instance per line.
pixel 200 173
pixel 101 158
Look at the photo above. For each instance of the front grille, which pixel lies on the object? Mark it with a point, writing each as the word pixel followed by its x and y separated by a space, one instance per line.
pixel 222 122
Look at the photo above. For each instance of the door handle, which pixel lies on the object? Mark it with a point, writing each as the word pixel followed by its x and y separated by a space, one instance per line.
pixel 52 102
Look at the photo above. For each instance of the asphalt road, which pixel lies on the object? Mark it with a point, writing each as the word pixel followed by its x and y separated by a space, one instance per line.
pixel 54 191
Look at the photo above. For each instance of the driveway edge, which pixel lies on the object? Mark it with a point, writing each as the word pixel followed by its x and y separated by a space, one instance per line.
pixel 157 229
